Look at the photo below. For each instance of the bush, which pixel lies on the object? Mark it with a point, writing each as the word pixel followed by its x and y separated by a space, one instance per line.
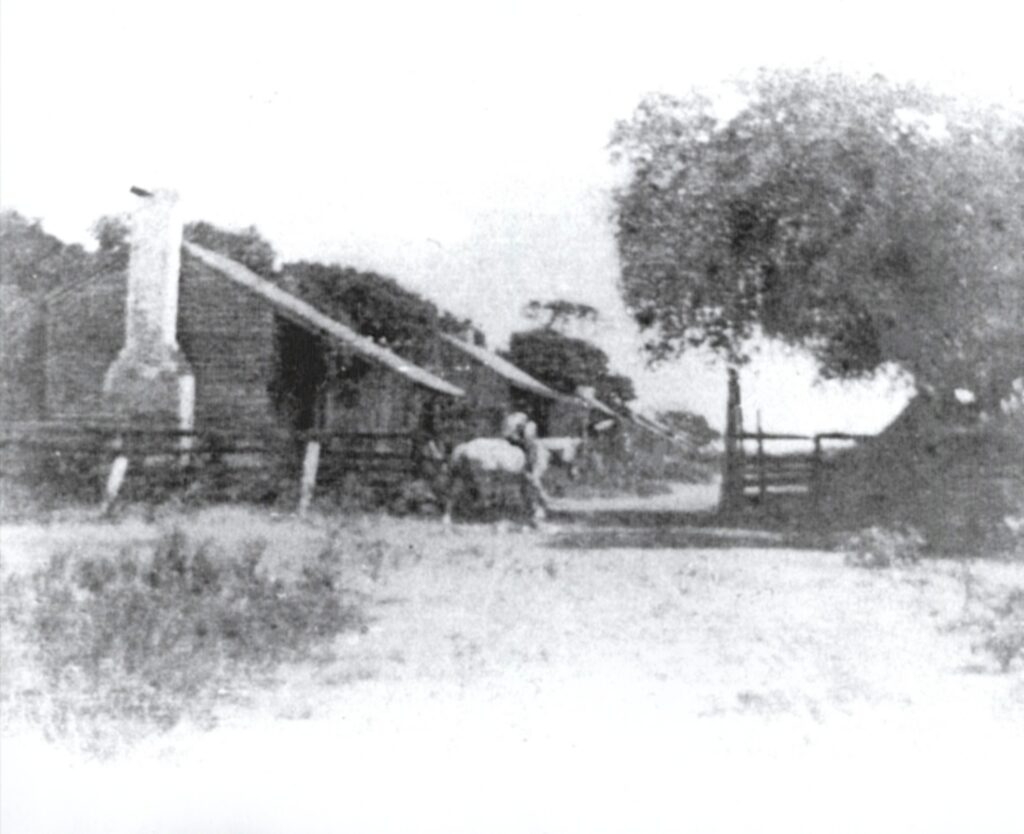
pixel 417 497
pixel 42 480
pixel 1003 629
pixel 141 641
pixel 883 547
pixel 962 487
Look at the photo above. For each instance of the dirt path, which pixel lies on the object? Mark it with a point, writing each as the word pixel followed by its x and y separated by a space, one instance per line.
pixel 520 682
pixel 682 498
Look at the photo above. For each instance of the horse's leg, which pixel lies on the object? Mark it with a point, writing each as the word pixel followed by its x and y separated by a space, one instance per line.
pixel 540 511
pixel 452 492
pixel 461 482
pixel 447 504
pixel 534 497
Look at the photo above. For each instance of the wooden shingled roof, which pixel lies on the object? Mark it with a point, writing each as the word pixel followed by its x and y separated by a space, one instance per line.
pixel 308 317
pixel 590 401
pixel 516 377
pixel 661 430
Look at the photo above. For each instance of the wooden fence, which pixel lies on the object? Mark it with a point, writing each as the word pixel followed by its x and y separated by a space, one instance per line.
pixel 768 472
pixel 173 460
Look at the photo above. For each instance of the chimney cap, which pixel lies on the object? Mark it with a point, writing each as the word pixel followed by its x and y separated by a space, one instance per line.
pixel 167 195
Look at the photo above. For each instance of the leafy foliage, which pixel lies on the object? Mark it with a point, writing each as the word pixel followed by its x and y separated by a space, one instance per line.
pixel 33 260
pixel 246 246
pixel 566 363
pixel 113 234
pixel 884 547
pixel 1003 629
pixel 375 305
pixel 693 426
pixel 616 390
pixel 865 221
pixel 559 312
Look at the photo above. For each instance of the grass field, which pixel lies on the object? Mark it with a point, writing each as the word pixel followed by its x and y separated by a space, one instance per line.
pixel 567 680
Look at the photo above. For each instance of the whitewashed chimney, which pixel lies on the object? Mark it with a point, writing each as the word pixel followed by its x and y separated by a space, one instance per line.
pixel 151 380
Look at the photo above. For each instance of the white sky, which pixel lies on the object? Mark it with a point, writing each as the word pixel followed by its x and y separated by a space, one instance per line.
pixel 461 148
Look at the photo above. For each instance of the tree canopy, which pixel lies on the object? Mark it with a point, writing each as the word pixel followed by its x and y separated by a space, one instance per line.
pixel 247 246
pixel 693 426
pixel 559 312
pixel 865 221
pixel 114 236
pixel 566 363
pixel 33 260
pixel 375 305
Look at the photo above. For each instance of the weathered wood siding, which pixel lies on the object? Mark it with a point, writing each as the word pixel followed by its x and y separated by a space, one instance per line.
pixel 566 419
pixel 227 335
pixel 22 356
pixel 489 397
pixel 381 402
pixel 84 333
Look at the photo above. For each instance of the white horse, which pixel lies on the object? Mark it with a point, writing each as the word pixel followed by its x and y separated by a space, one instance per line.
pixel 489 466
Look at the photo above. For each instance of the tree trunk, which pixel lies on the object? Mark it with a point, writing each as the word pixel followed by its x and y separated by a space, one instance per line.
pixel 732 474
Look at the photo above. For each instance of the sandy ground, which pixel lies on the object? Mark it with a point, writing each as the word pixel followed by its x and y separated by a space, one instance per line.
pixel 690 498
pixel 539 682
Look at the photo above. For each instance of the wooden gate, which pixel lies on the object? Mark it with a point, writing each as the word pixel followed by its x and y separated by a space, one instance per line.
pixel 773 467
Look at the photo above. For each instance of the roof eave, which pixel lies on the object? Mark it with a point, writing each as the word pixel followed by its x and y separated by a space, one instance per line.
pixel 516 377
pixel 305 315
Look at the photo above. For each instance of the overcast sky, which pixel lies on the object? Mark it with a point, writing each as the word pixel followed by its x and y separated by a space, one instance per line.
pixel 461 148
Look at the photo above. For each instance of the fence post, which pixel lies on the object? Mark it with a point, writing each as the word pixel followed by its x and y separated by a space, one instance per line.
pixel 762 475
pixel 310 462
pixel 115 479
pixel 186 418
pixel 733 490
pixel 816 474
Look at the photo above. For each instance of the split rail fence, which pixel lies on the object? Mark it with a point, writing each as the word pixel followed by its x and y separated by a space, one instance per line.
pixel 106 457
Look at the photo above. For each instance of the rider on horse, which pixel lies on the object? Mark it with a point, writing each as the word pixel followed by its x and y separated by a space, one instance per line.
pixel 519 430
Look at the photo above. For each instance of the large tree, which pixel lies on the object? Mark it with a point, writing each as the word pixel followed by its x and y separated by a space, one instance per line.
pixel 375 305
pixel 865 221
pixel 566 363
pixel 694 427
pixel 34 260
pixel 559 313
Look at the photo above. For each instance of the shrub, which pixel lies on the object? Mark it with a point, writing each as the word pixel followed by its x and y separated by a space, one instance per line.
pixel 142 640
pixel 883 547
pixel 417 497
pixel 1003 629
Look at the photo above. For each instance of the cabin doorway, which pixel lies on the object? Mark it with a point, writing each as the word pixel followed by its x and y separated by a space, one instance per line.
pixel 537 408
pixel 299 382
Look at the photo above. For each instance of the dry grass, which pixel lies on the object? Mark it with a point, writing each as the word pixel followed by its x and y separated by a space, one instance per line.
pixel 103 647
pixel 522 681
